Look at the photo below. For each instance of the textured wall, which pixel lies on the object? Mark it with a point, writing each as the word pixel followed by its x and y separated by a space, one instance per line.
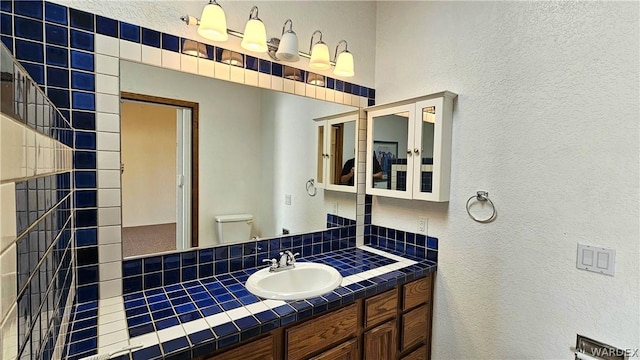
pixel 352 21
pixel 547 122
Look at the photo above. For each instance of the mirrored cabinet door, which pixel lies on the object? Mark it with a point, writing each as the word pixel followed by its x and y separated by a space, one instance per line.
pixel 321 154
pixel 390 141
pixel 426 154
pixel 336 158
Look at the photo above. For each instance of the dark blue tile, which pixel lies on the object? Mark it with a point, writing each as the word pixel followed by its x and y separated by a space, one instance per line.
pixel 6 5
pixel 88 275
pixel 170 42
pixel 86 198
pixel 132 267
pixel 166 323
pixel 82 60
pixel 153 264
pixel 57 56
pixel 195 315
pixel 188 258
pixel 139 320
pixel 171 261
pixel 55 13
pixel 60 98
pixel 85 179
pixel 28 28
pixel 265 66
pixel 251 63
pixel 35 71
pixel 152 280
pixel 149 353
pixel 151 37
pixel 372 94
pixel 81 40
pixel 83 100
pixel 225 329
pixel 56 35
pixel 171 277
pixel 276 69
pixel 130 32
pixel 32 9
pixel 81 20
pixel 83 81
pixel 189 273
pixel 86 218
pixel 201 337
pixel 8 42
pixel 222 252
pixel 106 26
pixel 205 255
pixel 175 345
pixel 221 267
pixel 30 51
pixel 84 120
pixel 87 237
pixel 432 243
pixel 235 251
pixel 57 77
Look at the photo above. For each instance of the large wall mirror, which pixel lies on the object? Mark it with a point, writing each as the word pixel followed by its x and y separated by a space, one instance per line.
pixel 253 152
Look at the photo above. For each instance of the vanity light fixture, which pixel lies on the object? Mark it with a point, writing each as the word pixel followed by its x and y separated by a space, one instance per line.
pixel 315 79
pixel 194 48
pixel 255 35
pixel 344 61
pixel 288 44
pixel 213 22
pixel 232 58
pixel 319 53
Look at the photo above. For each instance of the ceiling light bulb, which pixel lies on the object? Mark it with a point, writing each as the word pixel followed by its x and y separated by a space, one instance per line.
pixel 288 47
pixel 344 65
pixel 255 35
pixel 320 57
pixel 213 22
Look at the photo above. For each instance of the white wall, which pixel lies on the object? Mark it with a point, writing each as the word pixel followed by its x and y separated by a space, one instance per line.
pixel 289 153
pixel 148 151
pixel 353 21
pixel 547 122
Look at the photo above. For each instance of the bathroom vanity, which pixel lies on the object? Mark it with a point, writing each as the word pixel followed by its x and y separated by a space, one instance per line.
pixel 394 324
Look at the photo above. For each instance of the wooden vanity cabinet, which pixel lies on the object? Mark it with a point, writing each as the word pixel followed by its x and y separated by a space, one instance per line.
pixel 394 325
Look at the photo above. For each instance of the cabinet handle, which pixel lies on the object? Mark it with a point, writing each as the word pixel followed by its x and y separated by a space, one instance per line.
pixel 409 152
pixel 416 151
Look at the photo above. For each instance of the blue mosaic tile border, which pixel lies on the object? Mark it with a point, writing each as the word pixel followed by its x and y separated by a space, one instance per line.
pixel 163 270
pixel 403 242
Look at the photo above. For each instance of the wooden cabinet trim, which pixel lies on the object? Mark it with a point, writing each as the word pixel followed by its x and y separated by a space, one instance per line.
pixel 345 351
pixel 380 308
pixel 381 342
pixel 416 293
pixel 412 323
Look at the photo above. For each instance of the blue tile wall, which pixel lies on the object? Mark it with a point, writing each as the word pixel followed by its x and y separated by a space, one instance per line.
pixel 339 221
pixel 418 245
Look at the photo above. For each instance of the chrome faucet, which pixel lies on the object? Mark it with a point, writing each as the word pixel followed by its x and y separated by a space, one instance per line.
pixel 287 261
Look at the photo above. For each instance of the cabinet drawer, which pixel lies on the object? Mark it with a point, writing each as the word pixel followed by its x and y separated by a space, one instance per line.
pixel 256 350
pixel 344 351
pixel 322 332
pixel 418 354
pixel 381 342
pixel 414 327
pixel 380 307
pixel 417 292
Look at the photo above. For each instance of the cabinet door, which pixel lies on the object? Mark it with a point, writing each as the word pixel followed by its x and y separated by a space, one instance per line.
pixel 390 140
pixel 256 350
pixel 380 342
pixel 321 157
pixel 345 351
pixel 341 141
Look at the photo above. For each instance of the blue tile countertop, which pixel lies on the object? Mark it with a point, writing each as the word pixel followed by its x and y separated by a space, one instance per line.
pixel 194 318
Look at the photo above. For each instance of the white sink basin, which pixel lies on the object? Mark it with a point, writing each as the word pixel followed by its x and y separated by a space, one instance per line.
pixel 305 281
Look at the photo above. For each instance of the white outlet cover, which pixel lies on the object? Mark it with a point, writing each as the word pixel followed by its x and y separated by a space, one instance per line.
pixel 422 225
pixel 596 259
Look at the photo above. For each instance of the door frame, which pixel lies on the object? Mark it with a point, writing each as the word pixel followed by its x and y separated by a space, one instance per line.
pixel 124 95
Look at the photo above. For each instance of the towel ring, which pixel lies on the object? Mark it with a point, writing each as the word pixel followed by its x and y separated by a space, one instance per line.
pixel 482 196
pixel 311 187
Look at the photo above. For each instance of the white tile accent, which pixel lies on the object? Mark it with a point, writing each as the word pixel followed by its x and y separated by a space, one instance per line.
pixel 251 77
pixel 237 74
pixel 108 160
pixel 111 270
pixel 113 338
pixel 109 318
pixel 130 50
pixel 206 67
pixel 299 88
pixel 109 235
pixel 107 65
pixel 195 326
pixel 108 103
pixel 170 60
pixel 151 55
pixel 321 93
pixel 107 349
pixel 339 97
pixel 8 279
pixel 238 313
pixel 13 158
pixel 277 83
pixel 272 304
pixel 10 334
pixel 110 253
pixel 364 102
pixel 146 340
pixel 7 216
pixel 222 71
pixel 108 141
pixel 171 333
pixel 111 288
pixel 111 301
pixel 106 45
pixel 310 90
pixel 289 86
pixel 189 63
pixel 264 80
pixel 218 319
pixel 109 179
pixel 107 122
pixel 256 308
pixel 108 197
pixel 109 216
pixel 107 84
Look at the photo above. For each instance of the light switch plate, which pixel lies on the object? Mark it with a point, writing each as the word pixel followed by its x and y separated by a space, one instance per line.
pixel 596 259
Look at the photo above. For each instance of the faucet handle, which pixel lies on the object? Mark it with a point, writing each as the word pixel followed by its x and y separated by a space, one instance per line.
pixel 291 258
pixel 273 263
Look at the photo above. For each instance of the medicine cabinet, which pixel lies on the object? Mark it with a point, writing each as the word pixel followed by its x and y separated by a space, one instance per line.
pixel 411 145
pixel 336 162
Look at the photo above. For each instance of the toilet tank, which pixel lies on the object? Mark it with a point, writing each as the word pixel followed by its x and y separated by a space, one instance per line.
pixel 233 228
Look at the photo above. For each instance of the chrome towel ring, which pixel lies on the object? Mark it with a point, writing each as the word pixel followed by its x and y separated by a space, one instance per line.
pixel 482 196
pixel 311 187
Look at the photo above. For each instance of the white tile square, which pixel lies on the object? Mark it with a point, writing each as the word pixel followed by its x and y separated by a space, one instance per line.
pixel 151 55
pixel 363 102
pixel 206 67
pixel 257 307
pixel 108 160
pixel 300 88
pixel 8 291
pixel 272 304
pixel 8 225
pixel 107 65
pixel 310 90
pixel 218 319
pixel 264 80
pixel 170 60
pixel 330 95
pixel 109 179
pixel 108 197
pixel 277 83
pixel 251 77
pixel 106 45
pixel 130 50
pixel 237 74
pixel 108 122
pixel 111 301
pixel 108 103
pixel 189 63
pixel 109 235
pixel 321 93
pixel 339 97
pixel 110 288
pixel 109 216
pixel 108 141
pixel 111 270
pixel 289 86
pixel 171 333
pixel 109 318
pixel 238 313
pixel 13 160
pixel 109 253
pixel 107 349
pixel 195 326
pixel 113 337
pixel 107 84
pixel 222 71
pixel 10 334
pixel 347 99
pixel 146 340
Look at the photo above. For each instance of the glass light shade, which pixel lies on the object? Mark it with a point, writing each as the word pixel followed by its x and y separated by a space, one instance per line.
pixel 194 48
pixel 255 36
pixel 232 58
pixel 344 65
pixel 320 57
pixel 213 23
pixel 315 79
pixel 288 48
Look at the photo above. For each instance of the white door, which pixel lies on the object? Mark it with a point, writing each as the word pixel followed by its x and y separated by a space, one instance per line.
pixel 183 181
